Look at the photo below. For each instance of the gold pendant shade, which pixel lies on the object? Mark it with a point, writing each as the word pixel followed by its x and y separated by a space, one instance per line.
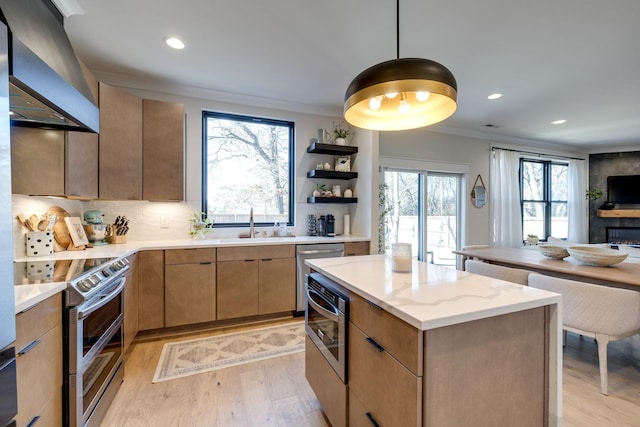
pixel 401 94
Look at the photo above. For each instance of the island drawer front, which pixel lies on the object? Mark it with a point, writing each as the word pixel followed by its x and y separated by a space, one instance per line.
pixel 239 253
pixel 400 339
pixel 34 322
pixel 387 390
pixel 189 256
pixel 327 386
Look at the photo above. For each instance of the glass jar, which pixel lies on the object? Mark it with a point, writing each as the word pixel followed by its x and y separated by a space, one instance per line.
pixel 401 259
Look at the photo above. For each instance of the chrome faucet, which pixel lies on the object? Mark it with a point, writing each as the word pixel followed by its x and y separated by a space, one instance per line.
pixel 251 224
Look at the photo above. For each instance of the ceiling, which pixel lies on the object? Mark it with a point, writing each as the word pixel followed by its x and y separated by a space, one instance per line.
pixel 575 60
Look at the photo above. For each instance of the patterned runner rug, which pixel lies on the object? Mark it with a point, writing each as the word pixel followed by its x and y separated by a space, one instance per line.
pixel 180 359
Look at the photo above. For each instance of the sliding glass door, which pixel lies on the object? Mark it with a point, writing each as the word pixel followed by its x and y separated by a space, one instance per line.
pixel 422 208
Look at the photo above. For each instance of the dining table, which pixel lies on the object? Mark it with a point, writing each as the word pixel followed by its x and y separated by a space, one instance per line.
pixel 625 274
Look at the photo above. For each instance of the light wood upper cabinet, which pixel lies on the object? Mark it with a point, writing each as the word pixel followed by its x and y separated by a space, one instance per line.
pixel 37 161
pixel 163 150
pixel 81 171
pixel 54 163
pixel 120 144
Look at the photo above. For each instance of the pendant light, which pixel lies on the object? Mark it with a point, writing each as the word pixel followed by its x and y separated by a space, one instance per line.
pixel 400 94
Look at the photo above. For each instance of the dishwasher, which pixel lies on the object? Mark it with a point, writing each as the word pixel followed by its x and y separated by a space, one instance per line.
pixel 305 252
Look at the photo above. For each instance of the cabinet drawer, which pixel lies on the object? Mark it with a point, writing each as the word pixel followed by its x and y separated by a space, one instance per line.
pixel 37 320
pixel 39 373
pixel 356 248
pixel 387 390
pixel 400 339
pixel 189 256
pixel 239 253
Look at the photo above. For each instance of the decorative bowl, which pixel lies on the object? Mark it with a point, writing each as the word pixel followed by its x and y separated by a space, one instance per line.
pixel 600 257
pixel 553 252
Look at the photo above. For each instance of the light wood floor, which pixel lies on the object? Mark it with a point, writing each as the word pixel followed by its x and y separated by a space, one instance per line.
pixel 275 393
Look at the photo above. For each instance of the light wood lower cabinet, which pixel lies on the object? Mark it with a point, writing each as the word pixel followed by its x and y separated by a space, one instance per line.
pixel 327 385
pixel 150 290
pixel 190 286
pixel 389 392
pixel 237 288
pixel 356 248
pixel 130 327
pixel 253 280
pixel 39 363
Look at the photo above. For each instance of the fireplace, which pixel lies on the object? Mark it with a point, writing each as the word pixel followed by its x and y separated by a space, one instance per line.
pixel 624 236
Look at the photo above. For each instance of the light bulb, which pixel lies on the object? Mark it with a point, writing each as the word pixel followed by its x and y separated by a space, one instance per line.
pixel 422 96
pixel 404 106
pixel 391 95
pixel 375 102
pixel 174 43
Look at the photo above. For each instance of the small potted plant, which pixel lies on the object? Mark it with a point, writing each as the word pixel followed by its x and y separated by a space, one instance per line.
pixel 594 194
pixel 199 224
pixel 320 188
pixel 341 133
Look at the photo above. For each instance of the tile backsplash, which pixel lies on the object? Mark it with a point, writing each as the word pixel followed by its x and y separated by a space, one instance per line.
pixel 151 220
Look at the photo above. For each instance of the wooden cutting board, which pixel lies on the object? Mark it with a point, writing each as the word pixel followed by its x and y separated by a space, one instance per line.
pixel 60 231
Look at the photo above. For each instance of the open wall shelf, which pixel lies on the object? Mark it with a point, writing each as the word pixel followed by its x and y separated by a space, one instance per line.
pixel 332 200
pixel 338 150
pixel 618 213
pixel 318 173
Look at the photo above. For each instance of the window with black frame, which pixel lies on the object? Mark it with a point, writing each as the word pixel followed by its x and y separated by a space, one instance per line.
pixel 543 192
pixel 247 164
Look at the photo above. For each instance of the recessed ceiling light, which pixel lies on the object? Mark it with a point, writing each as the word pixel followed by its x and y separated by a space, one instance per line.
pixel 558 122
pixel 174 42
pixel 494 96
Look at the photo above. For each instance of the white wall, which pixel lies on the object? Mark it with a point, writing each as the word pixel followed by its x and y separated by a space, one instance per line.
pixel 439 148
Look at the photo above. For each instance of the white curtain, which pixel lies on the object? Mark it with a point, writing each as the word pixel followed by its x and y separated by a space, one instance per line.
pixel 576 203
pixel 504 193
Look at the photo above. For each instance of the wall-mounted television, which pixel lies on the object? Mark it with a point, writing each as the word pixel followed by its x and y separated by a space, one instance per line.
pixel 623 189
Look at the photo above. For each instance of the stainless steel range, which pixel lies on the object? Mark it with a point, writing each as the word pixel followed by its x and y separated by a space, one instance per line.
pixel 93 340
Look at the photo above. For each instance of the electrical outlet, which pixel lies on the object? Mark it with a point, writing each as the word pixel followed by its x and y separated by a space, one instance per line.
pixel 164 222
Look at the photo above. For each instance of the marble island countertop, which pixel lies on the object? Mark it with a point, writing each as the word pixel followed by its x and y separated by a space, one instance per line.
pixel 430 296
pixel 28 293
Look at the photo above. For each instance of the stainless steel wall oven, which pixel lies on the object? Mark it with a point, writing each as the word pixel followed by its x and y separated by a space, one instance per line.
pixel 93 331
pixel 326 321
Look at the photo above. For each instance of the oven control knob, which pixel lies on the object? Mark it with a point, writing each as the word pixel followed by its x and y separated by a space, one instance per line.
pixel 107 272
pixel 84 285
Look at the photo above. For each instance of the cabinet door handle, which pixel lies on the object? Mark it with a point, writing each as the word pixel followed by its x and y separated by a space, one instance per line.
pixel 34 421
pixel 376 306
pixel 29 347
pixel 30 308
pixel 375 344
pixel 206 263
pixel 372 420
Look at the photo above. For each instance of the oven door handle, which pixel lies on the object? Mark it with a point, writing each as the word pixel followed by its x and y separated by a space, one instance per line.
pixel 334 316
pixel 85 311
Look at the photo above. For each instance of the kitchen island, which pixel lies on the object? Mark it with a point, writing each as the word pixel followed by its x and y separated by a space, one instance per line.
pixel 440 347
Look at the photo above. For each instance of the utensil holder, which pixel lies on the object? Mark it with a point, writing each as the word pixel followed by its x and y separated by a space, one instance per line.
pixel 39 243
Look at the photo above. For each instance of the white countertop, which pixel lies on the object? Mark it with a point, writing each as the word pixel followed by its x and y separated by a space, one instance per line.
pixel 430 296
pixel 27 295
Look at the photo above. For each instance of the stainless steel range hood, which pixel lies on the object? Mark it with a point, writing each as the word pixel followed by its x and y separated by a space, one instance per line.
pixel 47 85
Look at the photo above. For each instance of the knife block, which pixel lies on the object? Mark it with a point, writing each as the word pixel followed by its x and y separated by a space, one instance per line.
pixel 117 239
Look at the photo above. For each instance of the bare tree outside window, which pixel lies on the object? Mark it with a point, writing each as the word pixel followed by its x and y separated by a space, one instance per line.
pixel 247 165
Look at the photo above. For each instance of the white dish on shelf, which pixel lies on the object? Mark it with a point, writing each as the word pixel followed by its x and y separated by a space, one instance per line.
pixel 600 257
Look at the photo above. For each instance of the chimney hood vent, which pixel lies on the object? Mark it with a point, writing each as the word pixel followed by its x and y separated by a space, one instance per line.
pixel 47 86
